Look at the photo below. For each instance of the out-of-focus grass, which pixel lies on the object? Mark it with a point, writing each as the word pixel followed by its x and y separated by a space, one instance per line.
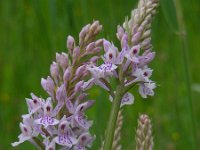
pixel 32 31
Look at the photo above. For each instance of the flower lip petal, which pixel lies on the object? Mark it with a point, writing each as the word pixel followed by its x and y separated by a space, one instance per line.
pixel 46 121
pixel 65 140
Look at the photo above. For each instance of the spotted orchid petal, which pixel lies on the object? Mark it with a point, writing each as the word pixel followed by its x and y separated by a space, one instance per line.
pixel 25 135
pixel 111 53
pixel 47 121
pixel 85 140
pixel 65 140
pixel 83 106
pixel 146 89
pixel 33 105
pixel 142 74
pixel 127 99
pixel 82 122
pixel 133 53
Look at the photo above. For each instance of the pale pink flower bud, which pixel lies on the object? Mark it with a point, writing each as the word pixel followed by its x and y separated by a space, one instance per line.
pixel 94 59
pixel 78 86
pixel 54 69
pixel 70 43
pixel 90 47
pixel 48 85
pixel 80 70
pixel 96 50
pixel 146 42
pixel 120 32
pixel 124 41
pixel 83 33
pixel 106 45
pixel 67 75
pixel 136 37
pixel 62 60
pixel 61 93
pixel 99 42
pixel 76 53
pixel 94 25
pixel 134 29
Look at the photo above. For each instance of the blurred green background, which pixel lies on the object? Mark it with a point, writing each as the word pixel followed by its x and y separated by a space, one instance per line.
pixel 32 31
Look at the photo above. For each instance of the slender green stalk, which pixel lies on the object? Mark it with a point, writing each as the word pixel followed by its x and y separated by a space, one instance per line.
pixel 113 118
pixel 39 143
pixel 183 39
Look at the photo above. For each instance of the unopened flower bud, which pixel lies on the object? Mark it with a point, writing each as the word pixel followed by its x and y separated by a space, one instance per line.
pixel 48 85
pixel 146 34
pixel 124 41
pixel 70 43
pixel 80 70
pixel 99 42
pixel 96 50
pixel 61 93
pixel 67 75
pixel 136 37
pixel 62 60
pixel 83 33
pixel 90 47
pixel 134 29
pixel 120 32
pixel 76 53
pixel 94 59
pixel 78 86
pixel 94 26
pixel 106 45
pixel 146 42
pixel 54 69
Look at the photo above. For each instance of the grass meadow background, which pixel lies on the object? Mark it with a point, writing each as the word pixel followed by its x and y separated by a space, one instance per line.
pixel 32 31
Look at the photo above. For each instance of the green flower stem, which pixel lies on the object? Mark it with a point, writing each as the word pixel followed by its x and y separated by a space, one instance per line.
pixel 39 143
pixel 113 118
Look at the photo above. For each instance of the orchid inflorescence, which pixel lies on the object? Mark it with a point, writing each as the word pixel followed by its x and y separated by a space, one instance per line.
pixel 59 121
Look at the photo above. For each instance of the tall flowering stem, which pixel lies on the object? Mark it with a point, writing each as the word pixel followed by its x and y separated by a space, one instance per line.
pixel 135 39
pixel 113 117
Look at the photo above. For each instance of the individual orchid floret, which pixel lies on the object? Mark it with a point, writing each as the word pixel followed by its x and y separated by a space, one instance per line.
pixel 79 116
pixel 142 74
pixel 48 85
pixel 65 135
pixel 146 89
pixel 127 99
pixel 133 54
pixel 85 140
pixel 111 53
pixel 47 118
pixel 34 104
pixel 104 70
pixel 146 59
pixel 25 135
